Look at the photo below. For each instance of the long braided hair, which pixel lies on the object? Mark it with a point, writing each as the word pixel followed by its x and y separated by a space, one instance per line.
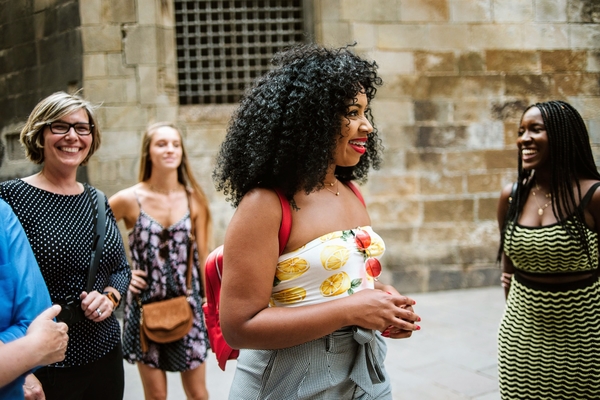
pixel 570 160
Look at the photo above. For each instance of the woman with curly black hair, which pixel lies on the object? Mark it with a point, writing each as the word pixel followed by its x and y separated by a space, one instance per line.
pixel 550 221
pixel 309 316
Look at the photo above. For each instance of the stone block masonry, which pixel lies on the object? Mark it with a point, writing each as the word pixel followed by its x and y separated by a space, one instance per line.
pixel 41 52
pixel 457 76
pixel 475 67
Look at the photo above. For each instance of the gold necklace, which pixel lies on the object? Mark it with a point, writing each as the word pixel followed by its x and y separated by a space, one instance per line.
pixel 547 195
pixel 157 190
pixel 337 188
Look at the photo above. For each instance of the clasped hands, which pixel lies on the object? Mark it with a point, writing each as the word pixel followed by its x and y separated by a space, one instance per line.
pixel 388 311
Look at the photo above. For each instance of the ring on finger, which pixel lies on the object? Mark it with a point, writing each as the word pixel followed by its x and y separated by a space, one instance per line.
pixel 98 312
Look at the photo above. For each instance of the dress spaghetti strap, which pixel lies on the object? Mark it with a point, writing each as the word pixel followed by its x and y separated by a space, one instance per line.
pixel 588 196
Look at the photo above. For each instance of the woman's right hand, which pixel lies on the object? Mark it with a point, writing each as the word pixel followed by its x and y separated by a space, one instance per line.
pixel 384 311
pixel 138 281
pixel 49 338
pixel 505 279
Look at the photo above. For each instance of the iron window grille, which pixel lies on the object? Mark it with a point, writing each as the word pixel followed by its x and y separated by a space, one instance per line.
pixel 223 46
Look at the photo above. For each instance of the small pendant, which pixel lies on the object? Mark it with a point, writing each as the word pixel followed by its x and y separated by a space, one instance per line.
pixel 540 211
pixel 337 193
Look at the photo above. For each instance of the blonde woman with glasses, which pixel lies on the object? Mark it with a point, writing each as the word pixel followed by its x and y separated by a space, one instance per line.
pixel 58 214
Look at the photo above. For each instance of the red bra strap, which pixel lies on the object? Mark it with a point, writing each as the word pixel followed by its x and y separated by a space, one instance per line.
pixel 353 187
pixel 286 221
pixel 286 215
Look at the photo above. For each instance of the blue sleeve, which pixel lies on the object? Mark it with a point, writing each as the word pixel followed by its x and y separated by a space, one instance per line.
pixel 23 292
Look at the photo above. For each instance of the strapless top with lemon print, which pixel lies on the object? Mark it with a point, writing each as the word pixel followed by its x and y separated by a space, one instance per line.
pixel 330 267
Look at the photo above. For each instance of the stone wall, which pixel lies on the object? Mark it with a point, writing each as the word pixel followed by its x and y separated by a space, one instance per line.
pixel 129 68
pixel 40 53
pixel 457 74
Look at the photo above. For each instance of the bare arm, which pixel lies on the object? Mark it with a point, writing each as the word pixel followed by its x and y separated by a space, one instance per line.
pixel 124 207
pixel 251 254
pixel 507 265
pixel 594 209
pixel 44 343
pixel 201 233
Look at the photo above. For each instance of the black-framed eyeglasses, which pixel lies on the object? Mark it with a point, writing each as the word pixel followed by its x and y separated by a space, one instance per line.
pixel 61 128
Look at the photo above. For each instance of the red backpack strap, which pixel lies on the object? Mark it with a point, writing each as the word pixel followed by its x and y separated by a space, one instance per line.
pixel 353 187
pixel 213 273
pixel 286 221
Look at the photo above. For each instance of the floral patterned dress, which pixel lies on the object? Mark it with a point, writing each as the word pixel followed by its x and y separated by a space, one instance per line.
pixel 162 252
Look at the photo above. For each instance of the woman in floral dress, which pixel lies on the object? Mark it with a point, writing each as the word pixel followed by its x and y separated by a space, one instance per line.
pixel 159 211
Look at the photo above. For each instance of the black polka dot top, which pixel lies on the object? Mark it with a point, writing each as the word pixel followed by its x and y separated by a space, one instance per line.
pixel 59 228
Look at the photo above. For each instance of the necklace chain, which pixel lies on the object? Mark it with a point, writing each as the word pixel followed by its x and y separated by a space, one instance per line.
pixel 337 187
pixel 547 195
pixel 158 190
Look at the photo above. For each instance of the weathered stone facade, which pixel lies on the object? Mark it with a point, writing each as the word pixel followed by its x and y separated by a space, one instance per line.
pixel 40 53
pixel 457 74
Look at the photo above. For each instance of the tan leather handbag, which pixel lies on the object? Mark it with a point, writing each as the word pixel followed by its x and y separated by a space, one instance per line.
pixel 167 321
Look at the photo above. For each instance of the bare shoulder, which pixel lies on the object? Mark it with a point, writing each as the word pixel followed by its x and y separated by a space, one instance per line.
pixel 586 186
pixel 200 203
pixel 504 202
pixel 254 225
pixel 124 197
pixel 124 205
pixel 260 201
pixel 593 207
pixel 259 208
pixel 506 191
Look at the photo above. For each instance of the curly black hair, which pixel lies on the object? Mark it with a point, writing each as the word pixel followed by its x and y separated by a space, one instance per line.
pixel 571 159
pixel 285 131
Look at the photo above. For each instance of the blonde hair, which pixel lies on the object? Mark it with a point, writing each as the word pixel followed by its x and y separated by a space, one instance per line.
pixel 184 171
pixel 51 109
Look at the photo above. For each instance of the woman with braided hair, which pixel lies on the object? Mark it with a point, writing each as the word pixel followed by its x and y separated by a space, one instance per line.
pixel 550 221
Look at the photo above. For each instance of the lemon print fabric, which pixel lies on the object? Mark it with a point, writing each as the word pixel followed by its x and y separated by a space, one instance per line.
pixel 329 267
pixel 331 236
pixel 338 284
pixel 376 248
pixel 290 269
pixel 335 285
pixel 334 257
pixel 289 296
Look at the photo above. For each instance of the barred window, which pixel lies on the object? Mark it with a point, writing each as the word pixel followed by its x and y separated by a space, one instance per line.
pixel 223 46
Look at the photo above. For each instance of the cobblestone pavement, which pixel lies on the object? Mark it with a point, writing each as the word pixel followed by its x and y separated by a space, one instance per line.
pixel 452 357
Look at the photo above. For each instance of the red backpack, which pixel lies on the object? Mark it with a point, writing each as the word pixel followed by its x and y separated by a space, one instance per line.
pixel 213 270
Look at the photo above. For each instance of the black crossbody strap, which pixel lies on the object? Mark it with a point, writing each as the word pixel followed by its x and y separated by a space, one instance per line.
pixel 99 231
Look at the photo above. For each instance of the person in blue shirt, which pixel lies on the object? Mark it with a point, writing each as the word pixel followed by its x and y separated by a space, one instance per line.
pixel 24 296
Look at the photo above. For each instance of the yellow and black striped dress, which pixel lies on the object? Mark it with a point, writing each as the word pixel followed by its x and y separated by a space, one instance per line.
pixel 549 336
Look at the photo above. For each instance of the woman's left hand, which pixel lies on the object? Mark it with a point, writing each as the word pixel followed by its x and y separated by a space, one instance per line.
pixel 33 388
pixel 393 332
pixel 96 306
